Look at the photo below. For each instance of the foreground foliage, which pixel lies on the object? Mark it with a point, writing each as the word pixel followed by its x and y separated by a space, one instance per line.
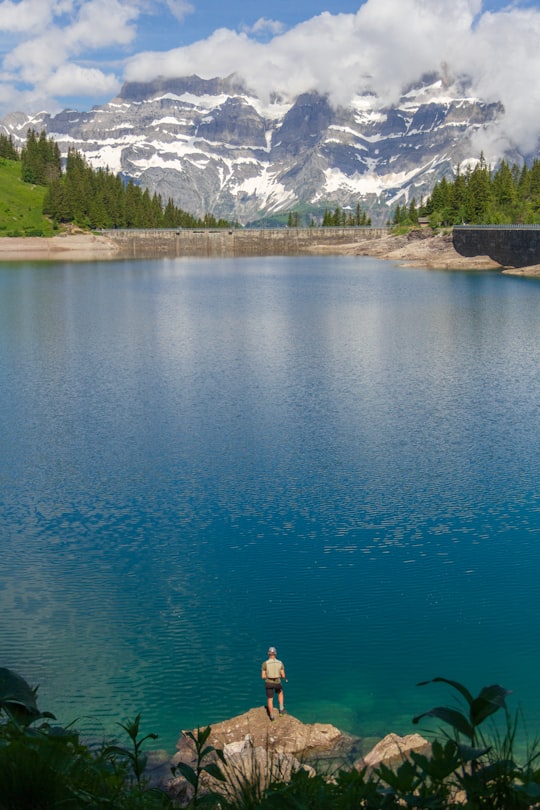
pixel 43 765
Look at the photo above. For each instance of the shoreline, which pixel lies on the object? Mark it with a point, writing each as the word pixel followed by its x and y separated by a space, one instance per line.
pixel 414 249
pixel 67 247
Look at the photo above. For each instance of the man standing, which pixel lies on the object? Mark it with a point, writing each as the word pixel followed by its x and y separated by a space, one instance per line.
pixel 272 672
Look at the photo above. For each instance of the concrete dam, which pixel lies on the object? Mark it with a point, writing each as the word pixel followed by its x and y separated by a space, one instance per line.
pixel 223 242
pixel 509 245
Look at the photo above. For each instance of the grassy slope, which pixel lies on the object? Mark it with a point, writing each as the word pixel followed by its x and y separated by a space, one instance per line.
pixel 20 204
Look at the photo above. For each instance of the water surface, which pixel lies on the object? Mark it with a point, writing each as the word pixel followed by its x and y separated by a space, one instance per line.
pixel 200 458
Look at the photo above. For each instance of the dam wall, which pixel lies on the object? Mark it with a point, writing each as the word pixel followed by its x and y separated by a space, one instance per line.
pixel 509 245
pixel 223 242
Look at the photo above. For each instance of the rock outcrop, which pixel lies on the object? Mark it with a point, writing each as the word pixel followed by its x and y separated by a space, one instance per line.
pixel 257 752
pixel 287 735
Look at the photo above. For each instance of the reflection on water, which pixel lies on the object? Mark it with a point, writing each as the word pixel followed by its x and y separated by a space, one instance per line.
pixel 332 455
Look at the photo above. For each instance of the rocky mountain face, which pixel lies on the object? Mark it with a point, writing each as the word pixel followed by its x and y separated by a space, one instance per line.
pixel 213 146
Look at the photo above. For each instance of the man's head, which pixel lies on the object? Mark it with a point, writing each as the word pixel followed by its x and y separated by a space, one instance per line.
pixel 272 651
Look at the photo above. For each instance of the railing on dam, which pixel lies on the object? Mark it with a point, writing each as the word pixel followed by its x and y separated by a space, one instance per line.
pixel 235 242
pixel 509 245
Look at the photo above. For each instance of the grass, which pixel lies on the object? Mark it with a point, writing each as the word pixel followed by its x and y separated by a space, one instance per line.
pixel 21 204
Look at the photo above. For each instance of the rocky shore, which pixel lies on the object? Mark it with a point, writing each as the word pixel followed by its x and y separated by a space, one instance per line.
pixel 418 248
pixel 255 747
pixel 423 248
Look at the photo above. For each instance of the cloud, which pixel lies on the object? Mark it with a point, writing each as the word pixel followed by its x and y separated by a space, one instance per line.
pixel 53 40
pixel 505 63
pixel 179 8
pixel 382 49
pixel 25 16
pixel 73 80
pixel 264 26
pixel 78 48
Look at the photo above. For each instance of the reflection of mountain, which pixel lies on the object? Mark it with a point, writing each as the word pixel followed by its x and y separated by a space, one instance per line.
pixel 211 145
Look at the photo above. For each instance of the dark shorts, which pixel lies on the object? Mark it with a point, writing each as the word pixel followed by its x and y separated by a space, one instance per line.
pixel 272 688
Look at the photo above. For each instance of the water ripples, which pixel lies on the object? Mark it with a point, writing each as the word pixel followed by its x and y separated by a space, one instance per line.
pixel 335 456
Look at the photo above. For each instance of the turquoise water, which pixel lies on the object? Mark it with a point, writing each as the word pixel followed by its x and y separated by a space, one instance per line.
pixel 335 456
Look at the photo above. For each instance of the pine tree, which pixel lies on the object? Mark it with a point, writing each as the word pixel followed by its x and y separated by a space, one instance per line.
pixel 40 159
pixel 7 148
pixel 504 193
pixel 479 194
pixel 95 198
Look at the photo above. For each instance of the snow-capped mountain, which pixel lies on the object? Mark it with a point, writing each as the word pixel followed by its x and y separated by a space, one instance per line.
pixel 212 146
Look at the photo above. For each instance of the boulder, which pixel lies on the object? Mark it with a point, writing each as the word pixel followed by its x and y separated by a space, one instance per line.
pixel 285 734
pixel 256 752
pixel 392 750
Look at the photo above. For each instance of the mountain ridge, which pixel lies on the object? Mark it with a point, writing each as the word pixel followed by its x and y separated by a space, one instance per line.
pixel 212 145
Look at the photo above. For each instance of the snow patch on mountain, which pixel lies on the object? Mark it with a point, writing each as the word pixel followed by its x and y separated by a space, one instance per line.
pixel 214 146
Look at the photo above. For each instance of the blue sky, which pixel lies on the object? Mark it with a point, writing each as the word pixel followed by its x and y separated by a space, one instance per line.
pixel 163 31
pixel 77 53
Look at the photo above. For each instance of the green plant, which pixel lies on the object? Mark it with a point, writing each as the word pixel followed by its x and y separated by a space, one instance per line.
pixel 44 766
pixel 193 774
pixel 487 773
pixel 135 756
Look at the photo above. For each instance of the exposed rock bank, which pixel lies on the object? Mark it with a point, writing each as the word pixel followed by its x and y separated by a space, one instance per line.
pixel 417 248
pixel 254 748
pixel 286 733
pixel 68 247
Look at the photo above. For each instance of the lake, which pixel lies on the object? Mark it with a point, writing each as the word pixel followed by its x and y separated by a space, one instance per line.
pixel 333 455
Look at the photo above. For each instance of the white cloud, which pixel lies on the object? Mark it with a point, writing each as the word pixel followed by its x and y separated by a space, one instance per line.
pixel 74 80
pixel 101 23
pixel 506 63
pixel 384 47
pixel 59 37
pixel 25 16
pixel 179 8
pixel 264 26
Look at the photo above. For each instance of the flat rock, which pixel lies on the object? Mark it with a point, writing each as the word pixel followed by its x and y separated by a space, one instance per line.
pixel 286 734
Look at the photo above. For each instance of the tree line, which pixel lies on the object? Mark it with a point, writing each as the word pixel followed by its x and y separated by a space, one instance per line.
pixel 94 198
pixel 97 198
pixel 8 150
pixel 480 195
pixel 338 218
pixel 341 218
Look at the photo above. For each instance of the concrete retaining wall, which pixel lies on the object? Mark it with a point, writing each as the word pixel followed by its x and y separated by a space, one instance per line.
pixel 509 245
pixel 223 242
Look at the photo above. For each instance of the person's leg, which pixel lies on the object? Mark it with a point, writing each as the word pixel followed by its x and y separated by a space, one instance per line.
pixel 270 701
pixel 281 699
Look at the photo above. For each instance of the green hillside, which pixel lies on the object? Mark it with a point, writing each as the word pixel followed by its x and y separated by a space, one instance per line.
pixel 21 204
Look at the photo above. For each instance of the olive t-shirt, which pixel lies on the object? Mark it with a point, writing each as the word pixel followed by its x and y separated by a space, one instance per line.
pixel 272 668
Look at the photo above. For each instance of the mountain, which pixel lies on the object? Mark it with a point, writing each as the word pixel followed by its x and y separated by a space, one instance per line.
pixel 213 146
